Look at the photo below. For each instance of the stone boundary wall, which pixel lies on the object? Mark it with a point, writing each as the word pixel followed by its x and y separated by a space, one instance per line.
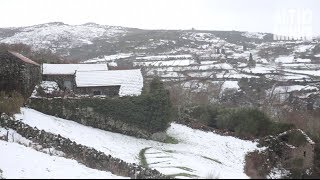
pixel 84 155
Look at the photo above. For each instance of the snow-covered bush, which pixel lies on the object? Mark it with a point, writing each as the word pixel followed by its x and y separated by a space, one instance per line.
pixel 45 88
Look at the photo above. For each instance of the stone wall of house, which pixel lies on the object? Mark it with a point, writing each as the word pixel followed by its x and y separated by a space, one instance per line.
pixel 305 153
pixel 31 76
pixel 86 116
pixel 60 80
pixel 108 91
pixel 16 75
pixel 85 155
pixel 9 73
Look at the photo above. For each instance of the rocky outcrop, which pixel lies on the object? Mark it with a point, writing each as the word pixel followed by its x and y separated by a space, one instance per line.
pixel 85 155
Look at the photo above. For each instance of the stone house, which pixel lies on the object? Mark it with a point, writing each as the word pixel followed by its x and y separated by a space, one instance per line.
pixel 298 149
pixel 93 79
pixel 109 83
pixel 64 74
pixel 18 73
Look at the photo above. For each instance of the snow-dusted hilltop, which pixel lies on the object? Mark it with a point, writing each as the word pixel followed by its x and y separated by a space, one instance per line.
pixel 199 58
pixel 57 36
pixel 92 40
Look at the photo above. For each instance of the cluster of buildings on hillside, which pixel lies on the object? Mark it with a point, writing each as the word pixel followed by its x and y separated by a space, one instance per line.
pixel 18 73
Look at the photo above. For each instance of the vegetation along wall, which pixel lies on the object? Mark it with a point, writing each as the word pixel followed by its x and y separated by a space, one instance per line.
pixel 139 116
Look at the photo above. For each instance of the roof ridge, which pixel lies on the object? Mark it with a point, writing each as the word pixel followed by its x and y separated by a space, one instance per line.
pixel 23 58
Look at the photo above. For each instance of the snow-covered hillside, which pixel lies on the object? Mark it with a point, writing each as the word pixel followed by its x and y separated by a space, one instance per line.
pixel 17 161
pixel 57 36
pixel 198 153
pixel 181 56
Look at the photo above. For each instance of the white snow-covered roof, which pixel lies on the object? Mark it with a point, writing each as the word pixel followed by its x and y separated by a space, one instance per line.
pixel 69 69
pixel 130 81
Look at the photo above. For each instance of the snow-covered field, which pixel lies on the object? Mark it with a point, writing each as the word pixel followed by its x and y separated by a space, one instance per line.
pixel 198 153
pixel 180 62
pixel 21 162
pixel 109 58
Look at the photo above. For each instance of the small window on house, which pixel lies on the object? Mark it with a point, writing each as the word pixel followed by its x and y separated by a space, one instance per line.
pixel 304 154
pixel 96 92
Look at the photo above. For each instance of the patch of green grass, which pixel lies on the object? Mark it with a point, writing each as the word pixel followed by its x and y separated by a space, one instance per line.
pixel 171 140
pixel 214 160
pixel 183 175
pixel 142 157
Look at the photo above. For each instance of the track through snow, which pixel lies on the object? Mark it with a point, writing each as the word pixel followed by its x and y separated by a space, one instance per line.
pixel 198 154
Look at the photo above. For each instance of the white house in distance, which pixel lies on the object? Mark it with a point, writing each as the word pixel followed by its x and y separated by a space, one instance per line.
pixel 94 79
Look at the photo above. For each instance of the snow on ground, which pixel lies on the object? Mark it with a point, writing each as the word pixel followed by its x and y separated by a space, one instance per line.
pixel 49 86
pixel 303 48
pixel 303 60
pixel 42 37
pixel 201 74
pixel 163 57
pixel 20 162
pixel 253 35
pixel 288 76
pixel 224 66
pixel 284 89
pixel 305 72
pixel 259 69
pixel 198 153
pixel 14 137
pixel 178 62
pixel 278 173
pixel 208 62
pixel 234 74
pixel 285 59
pixel 230 85
pixel 109 58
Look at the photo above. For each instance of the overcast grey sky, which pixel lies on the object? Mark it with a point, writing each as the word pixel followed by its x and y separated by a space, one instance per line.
pixel 247 15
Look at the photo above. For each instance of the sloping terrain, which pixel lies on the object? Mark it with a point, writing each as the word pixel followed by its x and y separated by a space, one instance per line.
pixel 17 160
pixel 198 153
pixel 195 59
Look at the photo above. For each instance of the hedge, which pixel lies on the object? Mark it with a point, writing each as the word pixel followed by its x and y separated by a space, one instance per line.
pixel 150 111
pixel 245 122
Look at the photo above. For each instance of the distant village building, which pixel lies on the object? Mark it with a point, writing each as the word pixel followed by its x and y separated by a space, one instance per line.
pixel 64 74
pixel 109 83
pixel 18 73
